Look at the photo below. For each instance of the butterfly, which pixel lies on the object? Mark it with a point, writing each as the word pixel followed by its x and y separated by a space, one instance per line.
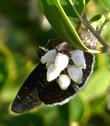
pixel 37 90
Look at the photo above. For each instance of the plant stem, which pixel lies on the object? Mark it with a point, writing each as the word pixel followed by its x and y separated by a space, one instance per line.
pixel 95 33
pixel 87 24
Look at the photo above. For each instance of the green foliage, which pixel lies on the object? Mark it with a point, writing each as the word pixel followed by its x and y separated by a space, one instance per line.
pixel 96 18
pixel 63 10
pixel 19 36
pixel 98 84
pixel 105 4
pixel 62 23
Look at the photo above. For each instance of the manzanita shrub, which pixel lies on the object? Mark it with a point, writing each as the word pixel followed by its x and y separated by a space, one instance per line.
pixel 80 58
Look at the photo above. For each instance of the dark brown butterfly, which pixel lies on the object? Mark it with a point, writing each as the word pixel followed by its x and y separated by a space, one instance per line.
pixel 37 90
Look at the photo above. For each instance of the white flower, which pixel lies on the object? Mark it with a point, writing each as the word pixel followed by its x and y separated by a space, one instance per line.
pixel 61 61
pixel 49 57
pixel 56 62
pixel 52 73
pixel 78 58
pixel 75 73
pixel 64 81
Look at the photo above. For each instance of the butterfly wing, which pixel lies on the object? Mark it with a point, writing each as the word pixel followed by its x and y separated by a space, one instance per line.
pixel 52 93
pixel 89 67
pixel 28 95
pixel 37 90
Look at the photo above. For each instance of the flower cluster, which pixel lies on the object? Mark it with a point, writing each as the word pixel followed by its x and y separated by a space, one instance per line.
pixel 64 66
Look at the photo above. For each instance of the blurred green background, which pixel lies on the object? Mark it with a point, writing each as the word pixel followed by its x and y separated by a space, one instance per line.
pixel 23 27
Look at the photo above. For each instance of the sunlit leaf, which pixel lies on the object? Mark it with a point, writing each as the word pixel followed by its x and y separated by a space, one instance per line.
pixel 78 5
pixel 59 20
pixel 105 4
pixel 95 18
pixel 98 83
pixel 76 108
pixel 61 23
pixel 7 63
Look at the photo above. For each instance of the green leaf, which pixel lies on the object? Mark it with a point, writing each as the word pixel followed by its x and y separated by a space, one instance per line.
pixel 59 20
pixel 105 4
pixel 86 1
pixel 76 108
pixel 64 113
pixel 78 5
pixel 61 23
pixel 98 84
pixel 25 119
pixel 7 66
pixel 95 18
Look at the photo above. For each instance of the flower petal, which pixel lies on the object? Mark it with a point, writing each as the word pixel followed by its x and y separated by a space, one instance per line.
pixel 75 73
pixel 49 57
pixel 64 81
pixel 52 73
pixel 61 61
pixel 78 58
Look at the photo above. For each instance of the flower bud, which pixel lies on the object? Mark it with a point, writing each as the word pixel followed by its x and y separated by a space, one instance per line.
pixel 78 58
pixel 64 81
pixel 49 57
pixel 75 73
pixel 52 73
pixel 61 61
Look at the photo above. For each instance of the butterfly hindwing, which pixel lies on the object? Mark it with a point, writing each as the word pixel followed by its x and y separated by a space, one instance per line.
pixel 52 93
pixel 89 67
pixel 37 90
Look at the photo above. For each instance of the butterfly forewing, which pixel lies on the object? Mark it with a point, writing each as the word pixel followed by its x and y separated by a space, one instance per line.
pixel 28 95
pixel 36 90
